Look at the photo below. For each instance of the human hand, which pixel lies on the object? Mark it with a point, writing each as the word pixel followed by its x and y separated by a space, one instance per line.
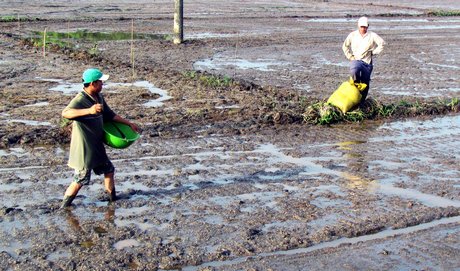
pixel 95 109
pixel 352 58
pixel 135 127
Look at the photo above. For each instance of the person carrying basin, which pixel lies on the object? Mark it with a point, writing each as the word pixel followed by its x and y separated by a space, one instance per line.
pixel 89 111
pixel 360 47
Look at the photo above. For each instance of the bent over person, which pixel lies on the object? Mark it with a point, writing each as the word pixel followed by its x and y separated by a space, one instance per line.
pixel 360 47
pixel 88 110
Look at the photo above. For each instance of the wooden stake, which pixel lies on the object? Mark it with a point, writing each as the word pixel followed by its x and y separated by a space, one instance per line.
pixel 132 47
pixel 178 21
pixel 44 43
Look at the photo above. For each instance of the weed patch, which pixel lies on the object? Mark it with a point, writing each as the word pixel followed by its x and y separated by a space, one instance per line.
pixel 443 13
pixel 323 113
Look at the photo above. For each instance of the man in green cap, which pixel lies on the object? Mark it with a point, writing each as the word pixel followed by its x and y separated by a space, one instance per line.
pixel 88 110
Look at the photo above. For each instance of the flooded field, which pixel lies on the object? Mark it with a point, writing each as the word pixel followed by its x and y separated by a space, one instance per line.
pixel 226 175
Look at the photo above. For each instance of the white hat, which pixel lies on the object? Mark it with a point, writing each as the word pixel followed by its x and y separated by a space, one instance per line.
pixel 363 22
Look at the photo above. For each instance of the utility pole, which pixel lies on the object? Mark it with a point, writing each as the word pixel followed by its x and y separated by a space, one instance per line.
pixel 178 21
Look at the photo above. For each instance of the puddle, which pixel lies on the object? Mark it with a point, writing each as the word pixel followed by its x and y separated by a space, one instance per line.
pixel 73 88
pixel 57 255
pixel 21 168
pixel 426 199
pixel 452 67
pixel 19 152
pixel 72 38
pixel 68 88
pixel 209 35
pixel 410 131
pixel 128 243
pixel 263 199
pixel 323 203
pixel 392 24
pixel 235 106
pixel 15 248
pixel 157 102
pixel 322 61
pixel 333 244
pixel 30 122
pixel 219 62
pixel 326 188
pixel 303 87
pixel 38 104
pixel 214 220
pixel 276 156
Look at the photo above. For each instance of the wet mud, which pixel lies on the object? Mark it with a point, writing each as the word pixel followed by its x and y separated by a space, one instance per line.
pixel 228 173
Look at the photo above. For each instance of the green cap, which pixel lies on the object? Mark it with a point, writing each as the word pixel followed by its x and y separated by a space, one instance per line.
pixel 91 75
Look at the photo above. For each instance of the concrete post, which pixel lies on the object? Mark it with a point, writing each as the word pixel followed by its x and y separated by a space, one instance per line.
pixel 178 21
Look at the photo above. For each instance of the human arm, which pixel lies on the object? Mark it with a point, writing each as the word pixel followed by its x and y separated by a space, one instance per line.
pixel 346 47
pixel 380 43
pixel 133 126
pixel 72 113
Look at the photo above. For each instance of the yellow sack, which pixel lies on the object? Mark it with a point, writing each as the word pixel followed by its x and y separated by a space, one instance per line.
pixel 347 96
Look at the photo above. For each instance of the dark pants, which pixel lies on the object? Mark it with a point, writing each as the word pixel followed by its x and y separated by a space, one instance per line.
pixel 361 72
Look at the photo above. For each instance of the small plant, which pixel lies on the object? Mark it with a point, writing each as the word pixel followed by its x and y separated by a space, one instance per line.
pixel 453 104
pixel 404 103
pixel 93 51
pixel 386 110
pixel 190 74
pixel 355 116
pixel 329 114
pixel 215 81
pixel 417 105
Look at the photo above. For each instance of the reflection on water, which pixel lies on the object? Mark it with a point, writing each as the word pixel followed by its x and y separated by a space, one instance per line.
pixel 346 145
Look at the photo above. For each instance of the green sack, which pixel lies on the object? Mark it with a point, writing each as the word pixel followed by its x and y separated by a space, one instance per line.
pixel 347 96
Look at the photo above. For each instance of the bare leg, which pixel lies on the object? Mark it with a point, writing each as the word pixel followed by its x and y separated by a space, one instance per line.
pixel 70 194
pixel 109 183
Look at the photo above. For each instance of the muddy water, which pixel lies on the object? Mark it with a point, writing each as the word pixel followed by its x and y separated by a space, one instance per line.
pixel 348 197
pixel 271 196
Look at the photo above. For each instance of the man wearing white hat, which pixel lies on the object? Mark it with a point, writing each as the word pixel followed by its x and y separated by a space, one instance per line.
pixel 359 47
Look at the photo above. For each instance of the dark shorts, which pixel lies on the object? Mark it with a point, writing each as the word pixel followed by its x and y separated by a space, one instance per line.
pixel 84 176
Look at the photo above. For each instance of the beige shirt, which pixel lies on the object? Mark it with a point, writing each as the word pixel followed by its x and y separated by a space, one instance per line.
pixel 357 47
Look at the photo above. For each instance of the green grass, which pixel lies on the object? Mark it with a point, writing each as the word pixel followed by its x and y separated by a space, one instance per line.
pixel 71 39
pixel 443 13
pixel 386 110
pixel 12 18
pixel 209 80
pixel 86 35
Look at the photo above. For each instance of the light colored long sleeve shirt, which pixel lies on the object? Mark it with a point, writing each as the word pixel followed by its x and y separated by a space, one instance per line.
pixel 357 47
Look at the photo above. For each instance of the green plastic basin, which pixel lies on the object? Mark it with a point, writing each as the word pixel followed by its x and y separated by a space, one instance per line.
pixel 119 135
